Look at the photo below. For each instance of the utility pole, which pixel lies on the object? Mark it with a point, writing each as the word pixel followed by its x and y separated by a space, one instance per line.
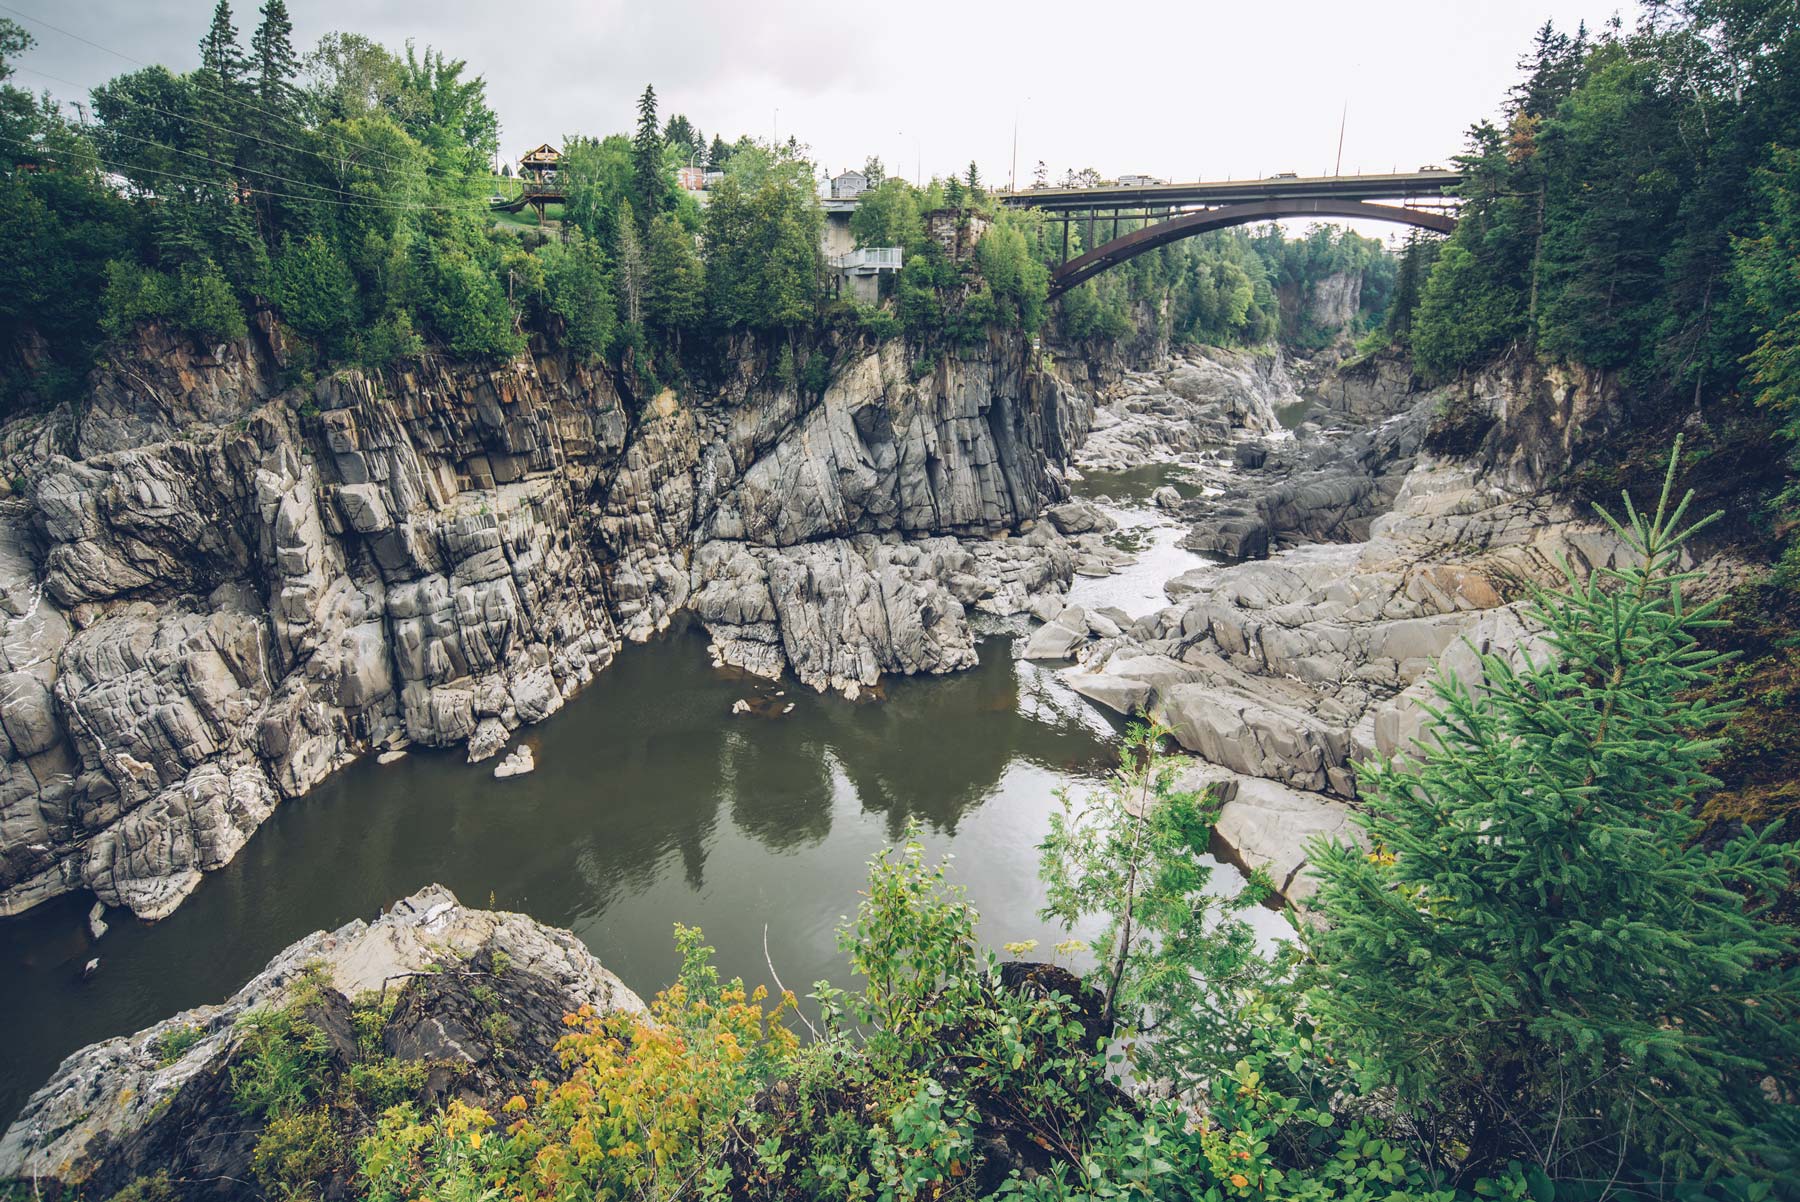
pixel 1012 176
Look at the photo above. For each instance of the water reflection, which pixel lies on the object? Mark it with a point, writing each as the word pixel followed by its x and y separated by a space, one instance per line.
pixel 652 802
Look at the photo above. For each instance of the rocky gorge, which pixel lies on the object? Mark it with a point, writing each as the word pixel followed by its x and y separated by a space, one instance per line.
pixel 223 613
pixel 216 589
pixel 1393 539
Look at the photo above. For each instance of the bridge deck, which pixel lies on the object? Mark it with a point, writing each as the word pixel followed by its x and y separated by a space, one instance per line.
pixel 1387 186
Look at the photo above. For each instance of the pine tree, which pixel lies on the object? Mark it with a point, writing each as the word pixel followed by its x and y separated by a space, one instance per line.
pixel 649 184
pixel 219 97
pixel 1409 284
pixel 718 154
pixel 1533 953
pixel 674 296
pixel 219 51
pixel 973 179
pixel 272 54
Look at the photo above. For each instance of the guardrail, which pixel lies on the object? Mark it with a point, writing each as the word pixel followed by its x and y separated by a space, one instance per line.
pixel 869 258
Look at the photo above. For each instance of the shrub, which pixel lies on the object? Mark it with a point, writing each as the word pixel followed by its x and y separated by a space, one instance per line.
pixel 1533 953
pixel 282 1063
pixel 173 1044
pixel 297 1152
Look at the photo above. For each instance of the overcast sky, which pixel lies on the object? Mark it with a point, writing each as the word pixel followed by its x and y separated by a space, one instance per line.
pixel 1183 90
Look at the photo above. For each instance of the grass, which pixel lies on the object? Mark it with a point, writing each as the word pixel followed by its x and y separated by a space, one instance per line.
pixel 526 219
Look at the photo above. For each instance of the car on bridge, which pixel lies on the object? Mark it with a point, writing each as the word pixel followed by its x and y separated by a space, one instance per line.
pixel 1285 175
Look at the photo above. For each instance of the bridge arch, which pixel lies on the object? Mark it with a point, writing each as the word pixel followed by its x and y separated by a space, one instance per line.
pixel 1129 246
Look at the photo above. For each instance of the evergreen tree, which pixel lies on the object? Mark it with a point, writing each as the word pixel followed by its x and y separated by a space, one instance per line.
pixel 217 97
pixel 219 51
pixel 674 281
pixel 679 132
pixel 272 54
pixel 312 286
pixel 1533 952
pixel 650 184
pixel 718 154
pixel 1416 259
pixel 576 279
pixel 973 179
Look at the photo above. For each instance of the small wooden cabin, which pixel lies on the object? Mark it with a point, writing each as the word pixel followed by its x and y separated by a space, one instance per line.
pixel 540 164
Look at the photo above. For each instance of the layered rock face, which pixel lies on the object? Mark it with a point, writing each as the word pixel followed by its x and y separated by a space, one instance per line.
pixel 1187 407
pixel 163 1102
pixel 1368 562
pixel 214 592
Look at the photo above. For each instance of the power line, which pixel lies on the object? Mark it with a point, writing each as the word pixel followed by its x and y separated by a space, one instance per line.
pixel 300 183
pixel 124 170
pixel 235 99
pixel 213 125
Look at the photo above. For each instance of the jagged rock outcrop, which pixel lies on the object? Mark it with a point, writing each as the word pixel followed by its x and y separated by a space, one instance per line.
pixel 216 593
pixel 162 1101
pixel 1202 400
pixel 1387 563
pixel 1308 491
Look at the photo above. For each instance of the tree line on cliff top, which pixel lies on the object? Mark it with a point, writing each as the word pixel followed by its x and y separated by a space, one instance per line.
pixel 345 193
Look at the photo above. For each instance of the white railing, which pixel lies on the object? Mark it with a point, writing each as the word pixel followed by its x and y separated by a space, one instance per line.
pixel 869 258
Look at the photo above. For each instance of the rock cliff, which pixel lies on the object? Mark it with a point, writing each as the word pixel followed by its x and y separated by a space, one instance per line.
pixel 215 591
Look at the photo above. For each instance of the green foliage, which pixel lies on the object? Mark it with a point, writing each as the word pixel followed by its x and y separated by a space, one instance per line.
pixel 579 286
pixel 763 263
pixel 674 280
pixel 197 299
pixel 650 183
pixel 1017 280
pixel 379 1083
pixel 912 941
pixel 888 214
pixel 153 1188
pixel 315 290
pixel 455 290
pixel 1171 959
pixel 1416 262
pixel 281 1064
pixel 173 1044
pixel 1542 839
pixel 296 1151
pixel 1465 316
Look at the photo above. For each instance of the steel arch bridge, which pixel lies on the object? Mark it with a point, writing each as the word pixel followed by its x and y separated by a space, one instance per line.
pixel 1176 211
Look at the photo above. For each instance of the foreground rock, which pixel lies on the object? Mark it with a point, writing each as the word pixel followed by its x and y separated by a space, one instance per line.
pixel 162 1101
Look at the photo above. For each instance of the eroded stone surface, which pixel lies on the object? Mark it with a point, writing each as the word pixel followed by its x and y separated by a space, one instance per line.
pixel 121 1108
pixel 212 594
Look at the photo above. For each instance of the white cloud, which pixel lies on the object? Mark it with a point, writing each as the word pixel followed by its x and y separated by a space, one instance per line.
pixel 1173 89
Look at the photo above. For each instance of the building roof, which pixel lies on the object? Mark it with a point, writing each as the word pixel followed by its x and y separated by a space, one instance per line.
pixel 543 154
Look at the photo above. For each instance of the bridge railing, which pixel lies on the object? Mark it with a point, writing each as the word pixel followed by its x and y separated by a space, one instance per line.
pixel 869 258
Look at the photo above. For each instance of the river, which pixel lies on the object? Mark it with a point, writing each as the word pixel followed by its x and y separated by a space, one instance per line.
pixel 652 803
